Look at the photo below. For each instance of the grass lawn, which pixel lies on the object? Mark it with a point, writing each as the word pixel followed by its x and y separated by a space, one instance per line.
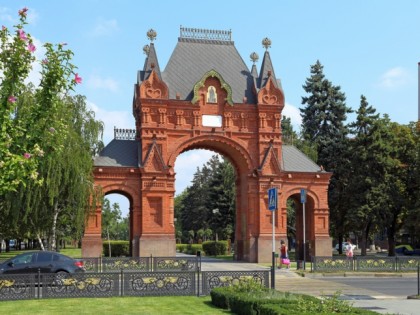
pixel 118 305
pixel 70 251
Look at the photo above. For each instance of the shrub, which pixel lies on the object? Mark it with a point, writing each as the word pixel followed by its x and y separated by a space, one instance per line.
pixel 212 248
pixel 181 248
pixel 192 249
pixel 118 248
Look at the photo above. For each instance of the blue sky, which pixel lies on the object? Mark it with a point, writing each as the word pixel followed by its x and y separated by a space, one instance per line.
pixel 366 47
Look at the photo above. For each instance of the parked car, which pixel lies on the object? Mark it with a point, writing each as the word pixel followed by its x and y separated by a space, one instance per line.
pixel 344 244
pixel 45 261
pixel 405 249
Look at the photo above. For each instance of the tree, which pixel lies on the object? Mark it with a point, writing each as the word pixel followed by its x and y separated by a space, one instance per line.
pixel 361 178
pixel 324 116
pixel 47 142
pixel 324 129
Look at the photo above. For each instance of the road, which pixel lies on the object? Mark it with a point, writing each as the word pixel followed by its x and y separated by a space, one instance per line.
pixel 394 286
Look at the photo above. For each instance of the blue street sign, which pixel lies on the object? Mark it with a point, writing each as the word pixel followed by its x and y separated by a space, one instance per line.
pixel 272 199
pixel 303 195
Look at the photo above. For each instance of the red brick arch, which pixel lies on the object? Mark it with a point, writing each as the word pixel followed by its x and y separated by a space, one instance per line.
pixel 249 135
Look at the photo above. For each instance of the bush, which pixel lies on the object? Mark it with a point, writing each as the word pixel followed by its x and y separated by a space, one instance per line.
pixel 251 298
pixel 192 249
pixel 118 248
pixel 181 248
pixel 213 248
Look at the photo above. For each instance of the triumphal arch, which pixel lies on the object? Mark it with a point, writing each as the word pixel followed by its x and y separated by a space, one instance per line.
pixel 208 98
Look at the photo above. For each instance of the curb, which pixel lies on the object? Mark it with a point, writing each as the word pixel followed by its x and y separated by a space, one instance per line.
pixel 360 274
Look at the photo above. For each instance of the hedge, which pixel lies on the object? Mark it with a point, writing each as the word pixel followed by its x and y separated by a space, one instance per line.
pixel 118 248
pixel 213 248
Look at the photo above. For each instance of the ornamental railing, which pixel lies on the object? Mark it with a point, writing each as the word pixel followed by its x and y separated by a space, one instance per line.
pixel 198 33
pixel 365 263
pixel 110 284
pixel 124 134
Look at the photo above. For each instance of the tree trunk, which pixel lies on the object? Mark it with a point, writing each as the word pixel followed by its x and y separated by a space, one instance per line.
pixel 54 227
pixel 40 241
pixel 391 240
pixel 365 239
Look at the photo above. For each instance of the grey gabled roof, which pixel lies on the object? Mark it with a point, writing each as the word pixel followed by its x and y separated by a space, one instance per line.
pixel 124 153
pixel 119 153
pixel 294 160
pixel 193 58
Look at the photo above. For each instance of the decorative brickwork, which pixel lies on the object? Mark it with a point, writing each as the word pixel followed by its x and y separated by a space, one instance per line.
pixel 249 136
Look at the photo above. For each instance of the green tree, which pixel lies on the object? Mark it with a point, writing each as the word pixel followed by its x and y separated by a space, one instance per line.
pixel 111 220
pixel 324 129
pixel 324 115
pixel 361 178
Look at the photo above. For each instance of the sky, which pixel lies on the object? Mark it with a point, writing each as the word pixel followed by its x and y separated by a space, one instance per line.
pixel 369 48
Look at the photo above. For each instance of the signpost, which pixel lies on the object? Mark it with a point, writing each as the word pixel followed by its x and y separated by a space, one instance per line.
pixel 272 206
pixel 303 201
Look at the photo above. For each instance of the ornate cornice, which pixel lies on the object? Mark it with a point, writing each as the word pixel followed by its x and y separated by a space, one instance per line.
pixel 212 73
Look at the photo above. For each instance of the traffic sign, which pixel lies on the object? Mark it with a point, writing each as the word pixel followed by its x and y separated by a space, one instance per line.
pixel 272 199
pixel 303 195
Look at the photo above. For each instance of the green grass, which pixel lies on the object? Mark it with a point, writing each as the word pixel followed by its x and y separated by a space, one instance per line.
pixel 116 305
pixel 70 251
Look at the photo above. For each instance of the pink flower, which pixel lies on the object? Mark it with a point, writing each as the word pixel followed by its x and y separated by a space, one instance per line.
pixel 44 61
pixel 27 155
pixel 52 129
pixel 11 99
pixel 31 47
pixel 22 35
pixel 77 79
pixel 22 12
pixel 3 28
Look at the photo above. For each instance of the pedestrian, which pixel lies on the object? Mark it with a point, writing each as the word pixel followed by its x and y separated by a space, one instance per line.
pixel 284 256
pixel 349 249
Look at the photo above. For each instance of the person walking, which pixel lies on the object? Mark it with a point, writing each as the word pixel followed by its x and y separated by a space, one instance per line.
pixel 284 256
pixel 349 249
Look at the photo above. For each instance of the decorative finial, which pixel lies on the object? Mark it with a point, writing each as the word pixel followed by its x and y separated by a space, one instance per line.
pixel 146 49
pixel 254 57
pixel 266 42
pixel 151 34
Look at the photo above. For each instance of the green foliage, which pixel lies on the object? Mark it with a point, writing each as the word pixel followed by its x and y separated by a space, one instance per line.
pixel 113 225
pixel 252 298
pixel 206 209
pixel 47 142
pixel 118 248
pixel 213 248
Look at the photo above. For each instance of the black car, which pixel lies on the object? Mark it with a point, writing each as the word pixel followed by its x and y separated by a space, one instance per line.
pixel 44 261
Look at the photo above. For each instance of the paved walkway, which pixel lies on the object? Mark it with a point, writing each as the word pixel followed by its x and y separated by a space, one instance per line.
pixel 288 280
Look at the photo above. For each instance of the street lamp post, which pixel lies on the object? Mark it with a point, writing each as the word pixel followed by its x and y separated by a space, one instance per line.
pixel 214 212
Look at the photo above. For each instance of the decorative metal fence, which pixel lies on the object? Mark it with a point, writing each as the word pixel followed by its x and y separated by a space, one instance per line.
pixel 116 264
pixel 365 263
pixel 108 284
pixel 216 279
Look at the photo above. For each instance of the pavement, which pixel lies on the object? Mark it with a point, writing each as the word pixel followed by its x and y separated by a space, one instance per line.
pixel 313 284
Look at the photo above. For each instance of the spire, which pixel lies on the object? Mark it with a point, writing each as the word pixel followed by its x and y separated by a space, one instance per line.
pixel 254 72
pixel 151 62
pixel 267 69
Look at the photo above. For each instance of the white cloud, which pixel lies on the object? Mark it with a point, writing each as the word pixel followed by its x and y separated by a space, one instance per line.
pixel 104 27
pixel 293 113
pixel 394 78
pixel 96 82
pixel 111 119
pixel 186 165
pixel 5 16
